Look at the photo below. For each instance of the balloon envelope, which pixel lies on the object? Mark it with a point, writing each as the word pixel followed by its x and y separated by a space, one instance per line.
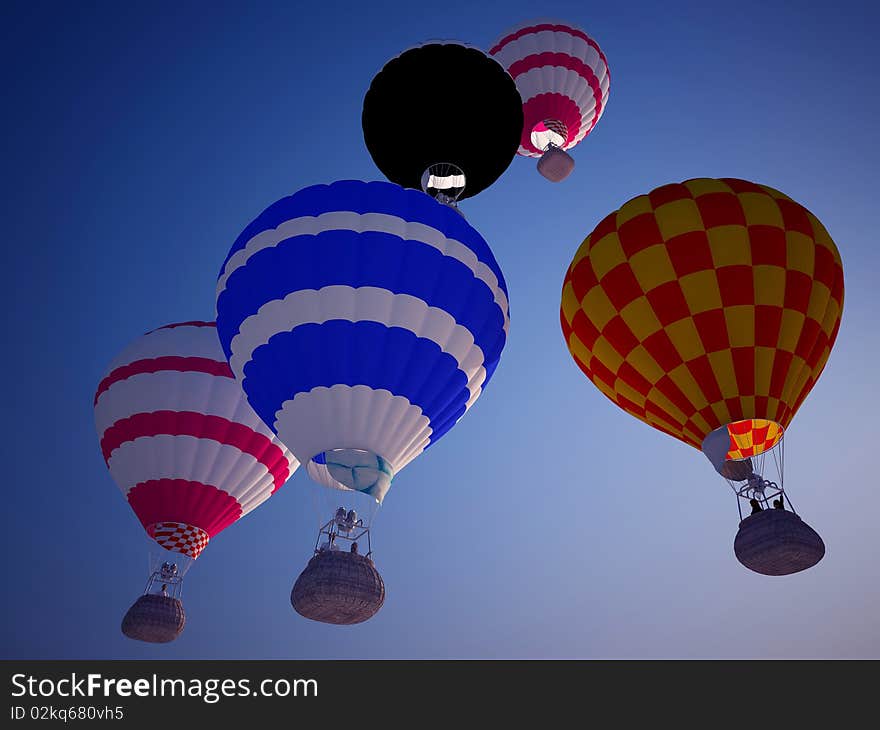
pixel 442 103
pixel 363 320
pixel 703 306
pixel 180 439
pixel 563 79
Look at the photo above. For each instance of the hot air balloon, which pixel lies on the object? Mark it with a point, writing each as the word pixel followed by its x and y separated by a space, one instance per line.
pixel 563 79
pixel 188 453
pixel 363 321
pixel 444 118
pixel 708 309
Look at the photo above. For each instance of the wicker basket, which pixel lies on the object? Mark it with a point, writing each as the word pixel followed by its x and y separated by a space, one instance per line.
pixel 338 587
pixel 157 619
pixel 777 542
pixel 555 164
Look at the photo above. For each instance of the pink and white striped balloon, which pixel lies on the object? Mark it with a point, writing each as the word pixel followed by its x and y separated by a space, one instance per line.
pixel 180 439
pixel 563 78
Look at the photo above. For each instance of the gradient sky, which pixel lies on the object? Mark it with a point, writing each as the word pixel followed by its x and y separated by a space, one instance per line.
pixel 139 140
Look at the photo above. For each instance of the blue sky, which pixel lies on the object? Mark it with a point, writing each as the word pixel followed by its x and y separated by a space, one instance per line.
pixel 548 523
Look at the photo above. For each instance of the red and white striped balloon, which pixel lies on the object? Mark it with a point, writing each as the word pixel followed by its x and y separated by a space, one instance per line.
pixel 180 439
pixel 563 78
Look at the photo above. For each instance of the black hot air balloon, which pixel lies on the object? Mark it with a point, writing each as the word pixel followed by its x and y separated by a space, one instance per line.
pixel 443 117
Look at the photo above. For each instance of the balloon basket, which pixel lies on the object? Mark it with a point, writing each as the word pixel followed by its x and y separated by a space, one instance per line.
pixel 777 542
pixel 157 616
pixel 555 164
pixel 772 540
pixel 155 619
pixel 339 588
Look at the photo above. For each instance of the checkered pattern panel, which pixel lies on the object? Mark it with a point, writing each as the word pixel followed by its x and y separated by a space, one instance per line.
pixel 179 537
pixel 752 436
pixel 557 126
pixel 706 303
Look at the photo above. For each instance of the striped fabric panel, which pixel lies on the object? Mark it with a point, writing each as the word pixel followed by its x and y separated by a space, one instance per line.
pixel 705 303
pixel 179 437
pixel 370 200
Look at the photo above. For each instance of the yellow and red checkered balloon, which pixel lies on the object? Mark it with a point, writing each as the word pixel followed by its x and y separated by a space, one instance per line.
pixel 704 304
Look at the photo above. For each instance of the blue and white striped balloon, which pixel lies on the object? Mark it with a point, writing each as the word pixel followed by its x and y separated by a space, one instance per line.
pixel 362 320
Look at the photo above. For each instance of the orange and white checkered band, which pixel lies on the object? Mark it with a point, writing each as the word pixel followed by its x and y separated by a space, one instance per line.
pixel 179 537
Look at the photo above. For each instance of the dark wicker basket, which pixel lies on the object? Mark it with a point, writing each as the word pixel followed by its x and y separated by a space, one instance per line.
pixel 338 587
pixel 556 164
pixel 777 542
pixel 157 619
